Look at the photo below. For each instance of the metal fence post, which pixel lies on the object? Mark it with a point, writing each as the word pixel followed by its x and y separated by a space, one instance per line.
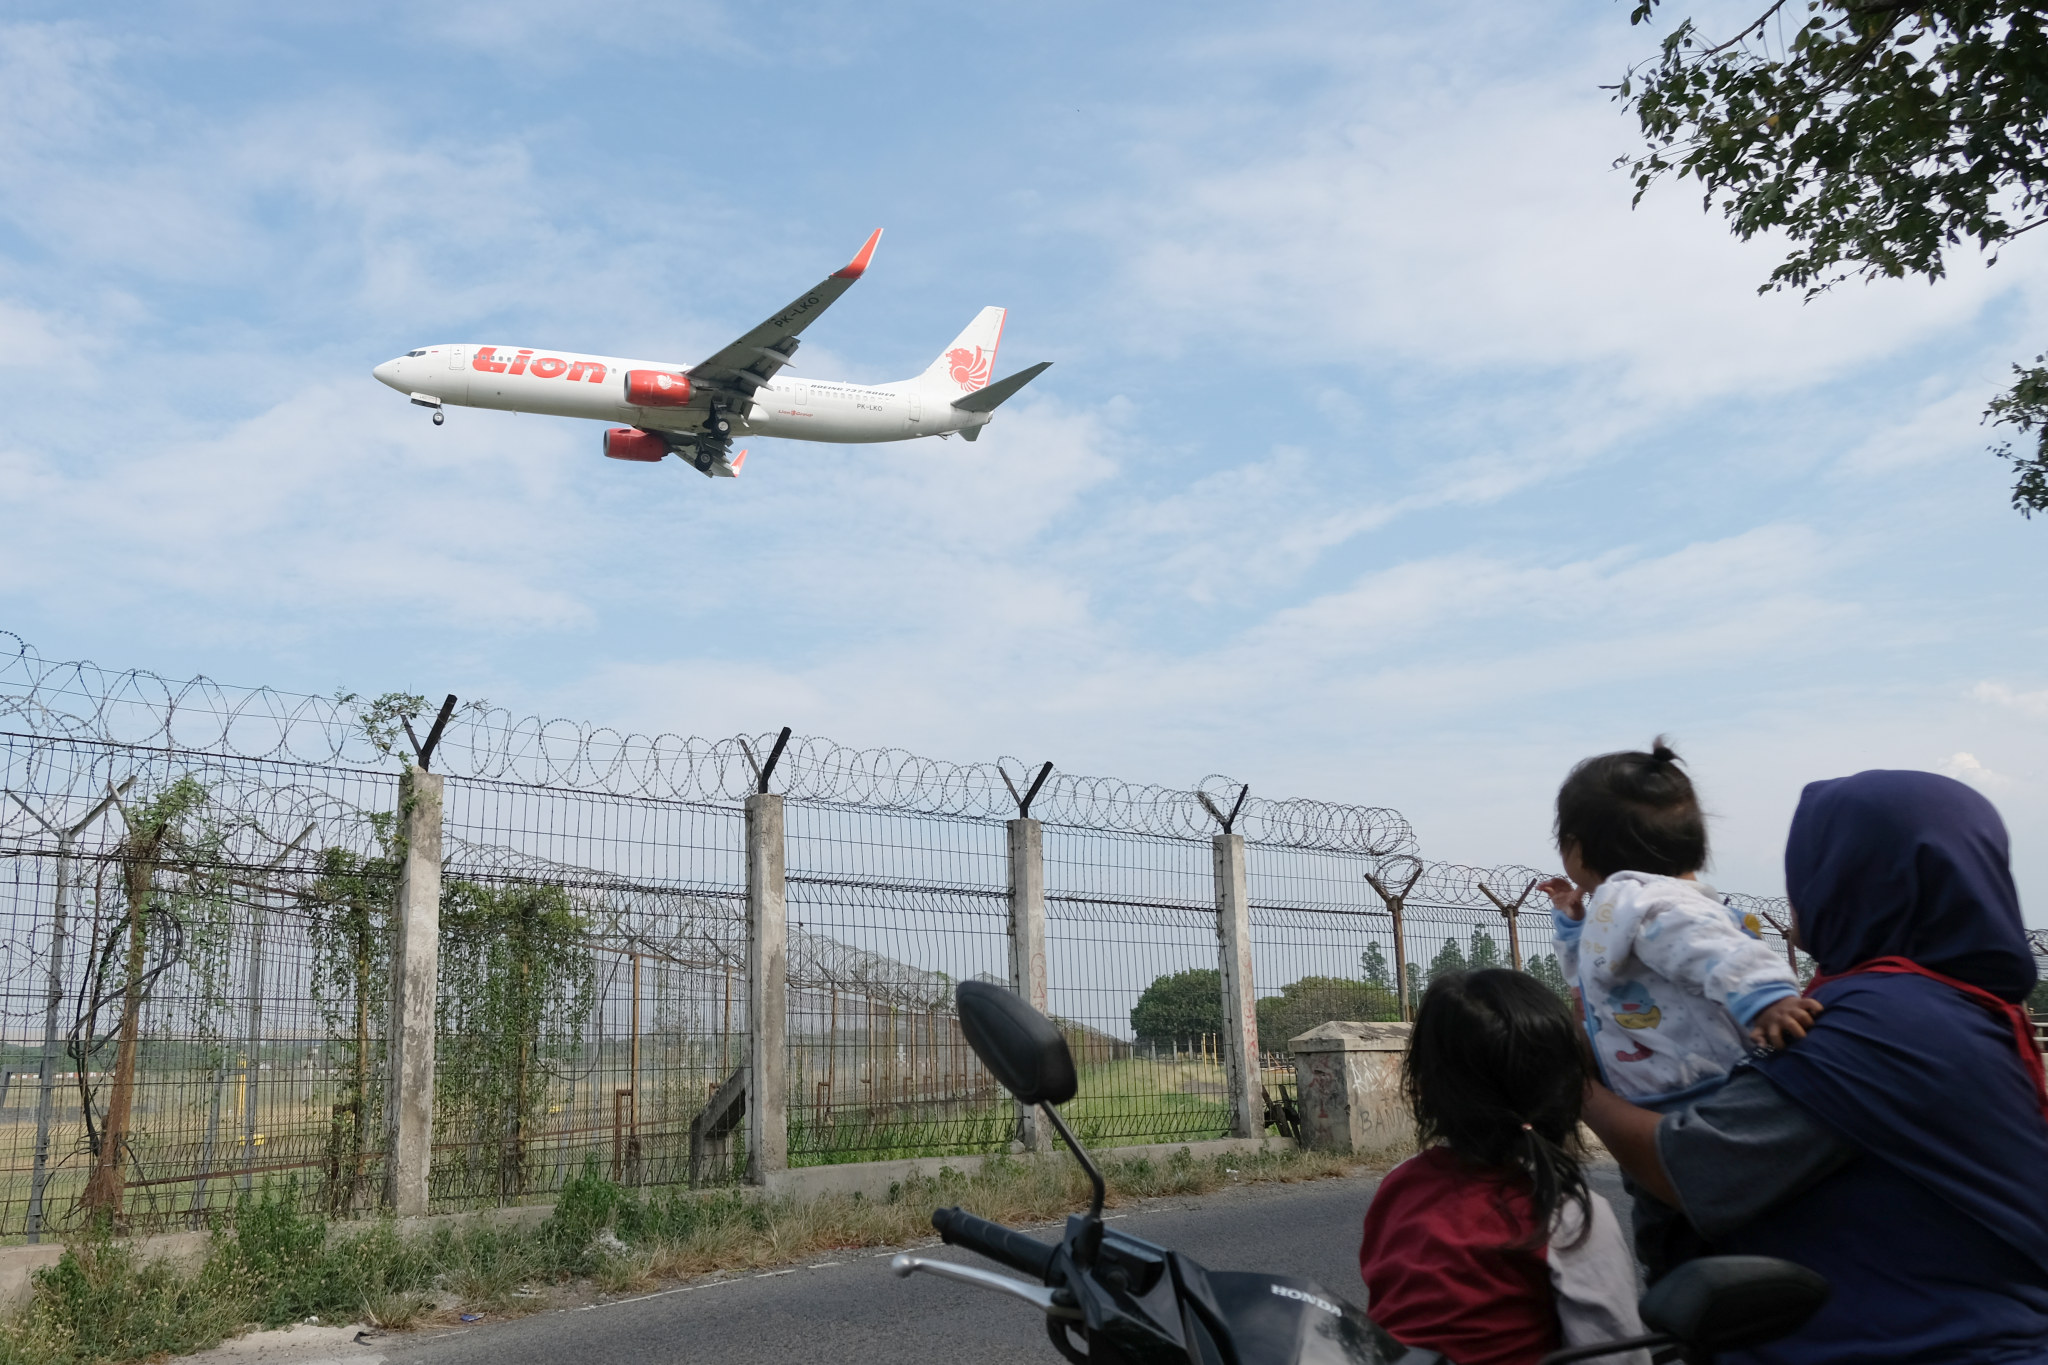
pixel 1027 946
pixel 767 991
pixel 415 972
pixel 47 1077
pixel 1513 911
pixel 1240 1015
pixel 1397 903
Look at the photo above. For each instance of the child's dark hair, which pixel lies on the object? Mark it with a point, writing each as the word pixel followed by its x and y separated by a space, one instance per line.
pixel 1633 812
pixel 1496 1071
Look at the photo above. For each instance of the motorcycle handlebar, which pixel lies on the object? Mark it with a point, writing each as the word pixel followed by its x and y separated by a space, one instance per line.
pixel 957 1227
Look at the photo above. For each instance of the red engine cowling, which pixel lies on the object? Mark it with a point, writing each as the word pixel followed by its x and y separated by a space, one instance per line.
pixel 657 389
pixel 631 443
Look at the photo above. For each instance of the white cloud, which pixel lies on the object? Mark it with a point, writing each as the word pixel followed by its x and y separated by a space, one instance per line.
pixel 1944 427
pixel 315 511
pixel 1456 469
pixel 1966 768
pixel 1998 694
pixel 1466 223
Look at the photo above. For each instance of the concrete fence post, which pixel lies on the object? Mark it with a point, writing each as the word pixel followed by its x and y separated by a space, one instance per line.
pixel 415 970
pixel 1240 1015
pixel 767 992
pixel 1027 947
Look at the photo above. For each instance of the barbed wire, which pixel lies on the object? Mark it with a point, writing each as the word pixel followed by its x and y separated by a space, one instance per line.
pixel 81 701
pixel 1461 886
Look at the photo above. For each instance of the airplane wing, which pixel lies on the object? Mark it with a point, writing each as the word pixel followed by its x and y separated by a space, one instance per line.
pixel 752 361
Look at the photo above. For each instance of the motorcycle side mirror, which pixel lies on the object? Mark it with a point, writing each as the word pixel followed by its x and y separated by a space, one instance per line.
pixel 1730 1303
pixel 1019 1046
pixel 1024 1052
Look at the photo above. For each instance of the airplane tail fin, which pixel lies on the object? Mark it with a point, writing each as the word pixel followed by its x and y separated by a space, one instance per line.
pixel 968 363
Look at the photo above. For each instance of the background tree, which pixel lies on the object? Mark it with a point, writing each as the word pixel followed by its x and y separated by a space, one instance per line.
pixel 1177 1009
pixel 1449 958
pixel 1313 1000
pixel 1543 966
pixel 1875 136
pixel 1373 968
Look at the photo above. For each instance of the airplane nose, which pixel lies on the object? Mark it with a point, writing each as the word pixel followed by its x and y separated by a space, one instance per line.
pixel 388 373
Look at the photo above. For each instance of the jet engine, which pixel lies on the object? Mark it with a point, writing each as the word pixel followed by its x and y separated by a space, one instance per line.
pixel 631 443
pixel 657 389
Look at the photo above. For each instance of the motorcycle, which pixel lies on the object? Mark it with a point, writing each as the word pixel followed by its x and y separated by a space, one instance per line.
pixel 1113 1299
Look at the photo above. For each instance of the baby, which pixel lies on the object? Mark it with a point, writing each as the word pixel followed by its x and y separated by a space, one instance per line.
pixel 1667 977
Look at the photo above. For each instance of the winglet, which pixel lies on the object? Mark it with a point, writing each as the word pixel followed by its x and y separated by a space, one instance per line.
pixel 738 462
pixel 859 263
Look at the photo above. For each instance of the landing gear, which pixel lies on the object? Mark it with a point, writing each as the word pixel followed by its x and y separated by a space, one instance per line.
pixel 717 423
pixel 706 452
pixel 439 417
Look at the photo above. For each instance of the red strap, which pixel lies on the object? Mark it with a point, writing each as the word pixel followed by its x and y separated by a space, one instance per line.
pixel 2016 1016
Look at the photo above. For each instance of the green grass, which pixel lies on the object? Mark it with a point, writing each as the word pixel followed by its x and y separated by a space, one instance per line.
pixel 1130 1102
pixel 274 1263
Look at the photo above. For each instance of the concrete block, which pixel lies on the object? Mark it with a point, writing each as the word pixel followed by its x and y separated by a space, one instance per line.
pixel 1348 1086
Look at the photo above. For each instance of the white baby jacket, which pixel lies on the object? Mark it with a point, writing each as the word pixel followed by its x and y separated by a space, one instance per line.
pixel 1669 979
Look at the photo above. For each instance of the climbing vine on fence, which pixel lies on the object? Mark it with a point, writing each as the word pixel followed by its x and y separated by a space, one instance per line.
pixel 349 906
pixel 517 982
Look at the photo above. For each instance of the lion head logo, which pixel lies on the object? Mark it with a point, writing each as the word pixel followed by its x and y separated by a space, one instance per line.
pixel 969 368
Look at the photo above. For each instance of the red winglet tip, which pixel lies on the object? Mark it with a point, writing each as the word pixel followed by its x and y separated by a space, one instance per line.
pixel 737 461
pixel 859 264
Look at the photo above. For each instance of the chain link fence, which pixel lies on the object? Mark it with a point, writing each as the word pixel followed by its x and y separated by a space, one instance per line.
pixel 197 889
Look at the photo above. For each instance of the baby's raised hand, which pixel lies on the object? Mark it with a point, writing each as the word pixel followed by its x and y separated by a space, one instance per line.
pixel 1565 896
pixel 1784 1021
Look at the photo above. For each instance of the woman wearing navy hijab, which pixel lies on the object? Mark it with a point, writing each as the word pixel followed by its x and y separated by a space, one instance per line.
pixel 1901 1147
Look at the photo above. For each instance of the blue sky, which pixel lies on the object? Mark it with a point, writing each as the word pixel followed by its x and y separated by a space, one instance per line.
pixel 1387 456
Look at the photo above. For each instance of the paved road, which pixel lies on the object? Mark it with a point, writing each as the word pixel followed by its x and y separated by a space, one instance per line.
pixel 854 1310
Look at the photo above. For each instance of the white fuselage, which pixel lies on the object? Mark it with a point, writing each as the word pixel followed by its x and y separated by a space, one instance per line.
pixel 565 384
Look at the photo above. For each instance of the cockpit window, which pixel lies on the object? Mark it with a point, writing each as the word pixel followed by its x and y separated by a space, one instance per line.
pixel 414 353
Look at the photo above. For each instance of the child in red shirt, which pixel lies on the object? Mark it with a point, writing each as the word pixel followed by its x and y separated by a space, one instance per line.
pixel 1488 1247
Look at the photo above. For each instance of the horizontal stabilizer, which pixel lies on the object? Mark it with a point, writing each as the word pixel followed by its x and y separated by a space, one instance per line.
pixel 992 397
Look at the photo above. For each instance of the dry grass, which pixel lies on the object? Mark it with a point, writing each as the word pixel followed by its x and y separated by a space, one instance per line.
pixel 395 1312
pixel 277 1264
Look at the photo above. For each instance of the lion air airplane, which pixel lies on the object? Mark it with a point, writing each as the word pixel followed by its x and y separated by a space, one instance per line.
pixel 693 411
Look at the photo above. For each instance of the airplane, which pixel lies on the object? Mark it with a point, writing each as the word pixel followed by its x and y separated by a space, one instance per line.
pixel 693 411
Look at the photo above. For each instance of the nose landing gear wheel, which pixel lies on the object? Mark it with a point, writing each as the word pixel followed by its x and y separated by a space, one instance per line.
pixel 439 418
